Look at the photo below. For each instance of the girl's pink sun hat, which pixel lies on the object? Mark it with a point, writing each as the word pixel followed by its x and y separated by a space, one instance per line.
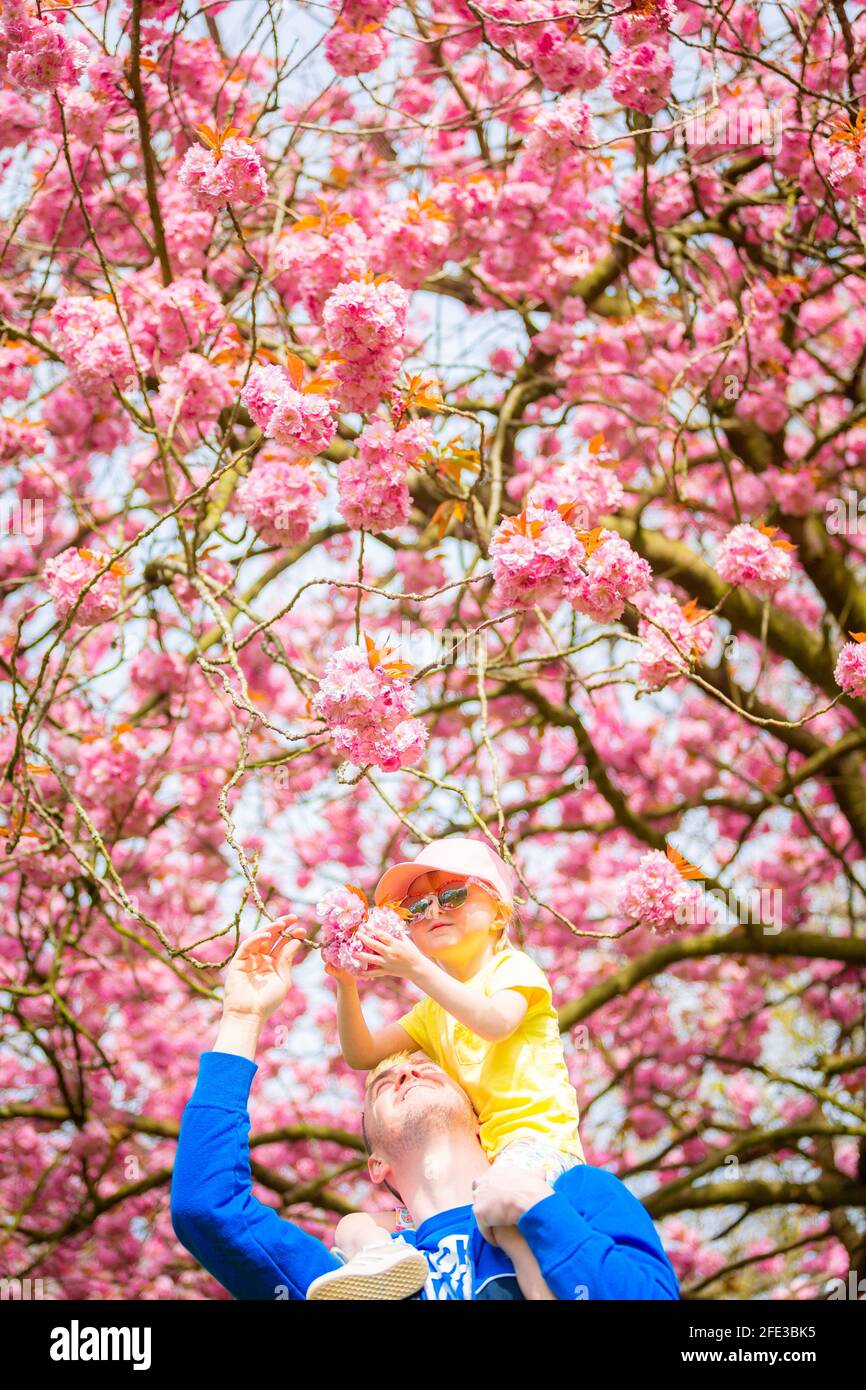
pixel 455 854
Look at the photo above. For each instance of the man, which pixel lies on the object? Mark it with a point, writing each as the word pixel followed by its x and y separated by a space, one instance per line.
pixel 590 1235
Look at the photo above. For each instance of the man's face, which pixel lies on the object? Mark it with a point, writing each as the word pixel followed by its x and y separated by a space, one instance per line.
pixel 412 1097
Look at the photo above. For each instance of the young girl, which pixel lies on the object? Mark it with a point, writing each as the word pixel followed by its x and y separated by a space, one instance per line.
pixel 487 1019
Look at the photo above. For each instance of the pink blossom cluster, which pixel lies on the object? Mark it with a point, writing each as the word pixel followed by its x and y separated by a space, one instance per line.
pixel 16 377
pixel 747 556
pixel 192 392
pixel 656 894
pixel 640 77
pixel 354 692
pixel 565 64
pixel 352 50
pixel 670 195
pixel 535 558
pixel 645 22
pixel 185 312
pixel 343 913
pixel 797 493
pixel 109 771
pixel 39 56
pixel 302 422
pixel 235 175
pixel 596 490
pixel 558 131
pixel 541 38
pixel 367 709
pixel 359 12
pixel 18 438
pixel 92 342
pixel 187 230
pixel 612 573
pixel 107 84
pixel 161 9
pixel 311 264
pixel 666 651
pixel 372 488
pixel 280 498
pixel 66 574
pixel 154 670
pixel 79 426
pixel 364 322
pixel 413 239
pixel 83 114
pixel 850 672
pixel 17 118
pixel 471 202
pixel 388 749
pixel 364 316
pixel 846 167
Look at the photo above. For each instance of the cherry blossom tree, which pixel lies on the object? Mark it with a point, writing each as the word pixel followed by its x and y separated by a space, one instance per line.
pixel 426 419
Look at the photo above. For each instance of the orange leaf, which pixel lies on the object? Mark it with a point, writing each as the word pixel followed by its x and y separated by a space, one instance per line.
pixel 686 869
pixel 353 888
pixel 395 907
pixel 591 539
pixel 374 654
pixel 858 636
pixel 295 368
pixel 208 135
pixel 692 612
pixel 565 509
pixel 443 514
pixel 596 444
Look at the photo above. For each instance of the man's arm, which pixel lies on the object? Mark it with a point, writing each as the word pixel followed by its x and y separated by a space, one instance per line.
pixel 244 1244
pixel 593 1239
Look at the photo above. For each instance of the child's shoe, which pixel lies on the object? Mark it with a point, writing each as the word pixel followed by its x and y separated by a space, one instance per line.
pixel 389 1269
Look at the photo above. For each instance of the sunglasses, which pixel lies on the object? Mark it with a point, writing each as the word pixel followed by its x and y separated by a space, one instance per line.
pixel 453 895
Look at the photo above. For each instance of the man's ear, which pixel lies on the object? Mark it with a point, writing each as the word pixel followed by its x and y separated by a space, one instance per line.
pixel 378 1169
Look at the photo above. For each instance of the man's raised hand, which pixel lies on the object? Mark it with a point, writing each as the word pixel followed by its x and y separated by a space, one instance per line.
pixel 260 973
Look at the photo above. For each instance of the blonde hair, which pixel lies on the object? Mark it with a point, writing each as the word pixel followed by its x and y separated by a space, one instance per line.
pixel 388 1062
pixel 506 918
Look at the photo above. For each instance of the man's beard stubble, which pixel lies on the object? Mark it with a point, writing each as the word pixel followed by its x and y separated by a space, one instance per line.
pixel 430 1117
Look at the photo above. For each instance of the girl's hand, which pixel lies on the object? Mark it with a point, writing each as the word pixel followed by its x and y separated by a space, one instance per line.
pixel 343 977
pixel 390 955
pixel 260 973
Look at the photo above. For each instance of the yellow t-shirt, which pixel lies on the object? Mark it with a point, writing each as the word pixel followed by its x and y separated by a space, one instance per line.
pixel 519 1087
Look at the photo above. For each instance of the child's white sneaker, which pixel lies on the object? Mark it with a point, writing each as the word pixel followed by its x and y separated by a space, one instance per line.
pixel 387 1270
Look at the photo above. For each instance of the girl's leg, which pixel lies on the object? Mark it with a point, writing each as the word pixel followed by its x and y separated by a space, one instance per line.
pixel 549 1162
pixel 375 1265
pixel 529 1276
pixel 362 1228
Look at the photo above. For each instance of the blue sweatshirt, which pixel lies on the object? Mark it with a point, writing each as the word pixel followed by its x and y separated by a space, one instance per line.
pixel 592 1238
